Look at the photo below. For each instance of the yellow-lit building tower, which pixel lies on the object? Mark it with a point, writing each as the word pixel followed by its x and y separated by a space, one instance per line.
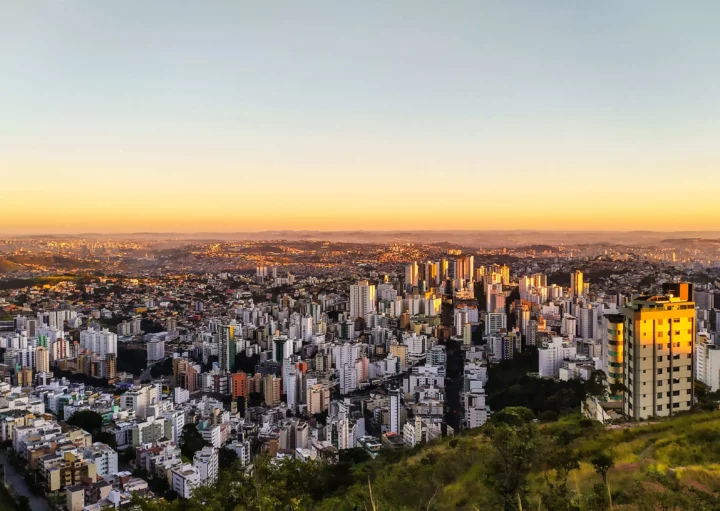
pixel 659 342
pixel 576 283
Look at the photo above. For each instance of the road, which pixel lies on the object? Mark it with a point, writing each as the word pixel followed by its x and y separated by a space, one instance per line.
pixel 146 373
pixel 16 482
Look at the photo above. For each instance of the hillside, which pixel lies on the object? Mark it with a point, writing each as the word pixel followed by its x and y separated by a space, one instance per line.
pixel 672 464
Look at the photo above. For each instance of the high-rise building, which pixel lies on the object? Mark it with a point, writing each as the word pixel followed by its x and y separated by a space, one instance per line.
pixel 394 411
pixel 411 274
pixel 494 322
pixel 239 385
pixel 226 348
pixel 614 352
pixel 707 362
pixel 362 299
pixel 42 360
pixel 99 342
pixel 272 390
pixel 659 348
pixel 576 283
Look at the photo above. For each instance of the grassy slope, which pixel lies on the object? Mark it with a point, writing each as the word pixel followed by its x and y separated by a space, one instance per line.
pixel 448 474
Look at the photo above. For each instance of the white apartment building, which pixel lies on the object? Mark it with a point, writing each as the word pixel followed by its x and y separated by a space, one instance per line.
pixel 104 457
pixel 552 354
pixel 395 411
pixel 476 411
pixel 185 479
pixel 155 350
pixel 494 322
pixel 100 342
pixel 206 462
pixel 707 361
pixel 362 299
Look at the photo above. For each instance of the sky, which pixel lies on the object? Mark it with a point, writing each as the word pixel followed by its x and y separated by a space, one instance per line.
pixel 221 116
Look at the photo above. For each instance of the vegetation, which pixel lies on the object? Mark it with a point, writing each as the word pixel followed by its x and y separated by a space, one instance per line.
pixel 513 462
pixel 510 384
pixel 36 281
pixel 191 441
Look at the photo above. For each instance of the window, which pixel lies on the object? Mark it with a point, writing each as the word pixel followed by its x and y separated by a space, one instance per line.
pixel 659 395
pixel 660 358
pixel 659 371
pixel 676 369
pixel 659 334
pixel 659 382
pixel 689 391
pixel 676 405
pixel 676 393
pixel 659 408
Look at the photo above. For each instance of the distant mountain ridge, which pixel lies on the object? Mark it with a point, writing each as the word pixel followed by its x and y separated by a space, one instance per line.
pixel 471 238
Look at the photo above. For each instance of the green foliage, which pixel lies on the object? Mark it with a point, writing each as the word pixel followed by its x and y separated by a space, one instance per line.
pixel 164 369
pixel 509 384
pixel 513 416
pixel 191 441
pixel 88 420
pixel 226 457
pixel 512 461
pixel 602 463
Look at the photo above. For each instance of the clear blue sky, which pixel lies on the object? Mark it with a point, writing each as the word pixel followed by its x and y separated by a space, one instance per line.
pixel 254 115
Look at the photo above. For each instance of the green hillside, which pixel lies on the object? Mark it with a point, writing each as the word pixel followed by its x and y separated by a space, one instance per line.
pixel 511 462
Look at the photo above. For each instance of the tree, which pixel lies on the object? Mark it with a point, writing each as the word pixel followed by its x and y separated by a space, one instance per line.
pixel 106 438
pixel 128 455
pixel 191 441
pixel 514 416
pixel 597 384
pixel 23 504
pixel 226 457
pixel 88 420
pixel 602 463
pixel 510 461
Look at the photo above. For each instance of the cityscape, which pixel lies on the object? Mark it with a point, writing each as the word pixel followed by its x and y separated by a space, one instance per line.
pixel 376 256
pixel 145 369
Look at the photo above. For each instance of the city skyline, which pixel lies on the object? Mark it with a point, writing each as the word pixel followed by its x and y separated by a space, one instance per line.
pixel 221 117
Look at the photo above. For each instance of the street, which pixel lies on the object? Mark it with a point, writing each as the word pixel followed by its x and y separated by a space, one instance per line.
pixel 17 484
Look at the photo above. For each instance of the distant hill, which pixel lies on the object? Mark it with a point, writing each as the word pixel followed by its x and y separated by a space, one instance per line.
pixel 9 266
pixel 465 238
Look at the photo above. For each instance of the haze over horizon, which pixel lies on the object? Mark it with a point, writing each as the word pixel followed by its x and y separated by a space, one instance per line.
pixel 219 117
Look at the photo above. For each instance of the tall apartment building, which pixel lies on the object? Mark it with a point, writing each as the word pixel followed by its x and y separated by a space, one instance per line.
pixel 42 360
pixel 362 299
pixel 614 351
pixel 99 342
pixel 226 348
pixel 659 344
pixel 707 362
pixel 239 385
pixel 494 322
pixel 576 283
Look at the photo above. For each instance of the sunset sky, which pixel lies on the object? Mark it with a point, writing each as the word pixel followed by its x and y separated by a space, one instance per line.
pixel 137 115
